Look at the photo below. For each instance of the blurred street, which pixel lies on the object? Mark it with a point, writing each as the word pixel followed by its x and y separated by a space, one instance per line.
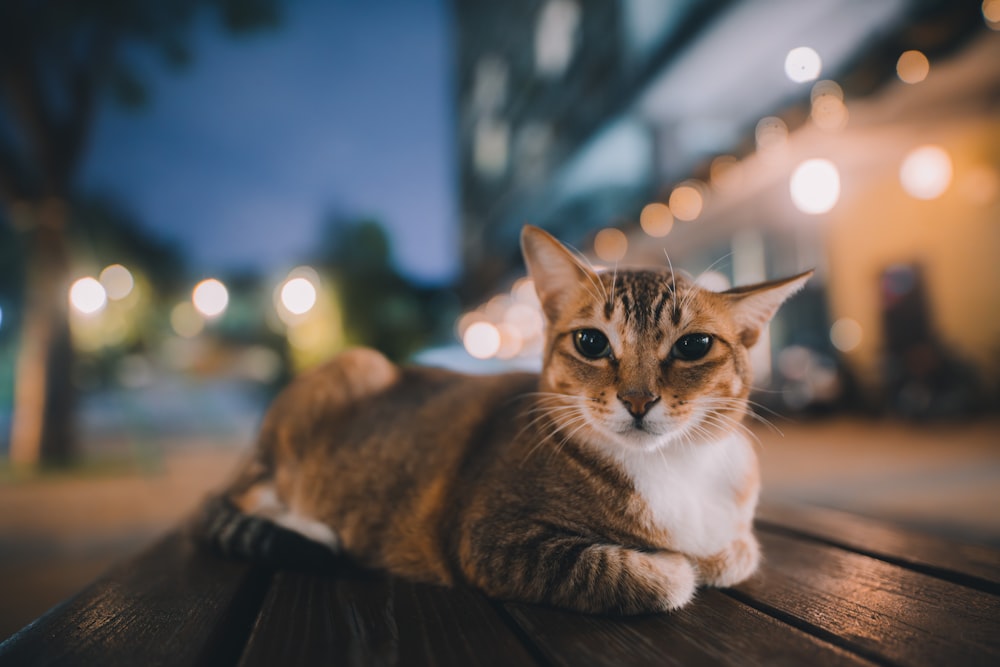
pixel 57 533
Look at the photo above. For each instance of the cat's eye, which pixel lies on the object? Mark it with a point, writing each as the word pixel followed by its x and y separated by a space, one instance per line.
pixel 591 343
pixel 692 346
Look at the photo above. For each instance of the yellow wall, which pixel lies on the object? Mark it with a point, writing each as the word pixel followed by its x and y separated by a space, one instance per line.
pixel 954 238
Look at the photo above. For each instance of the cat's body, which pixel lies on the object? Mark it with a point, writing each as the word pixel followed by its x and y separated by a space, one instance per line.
pixel 616 481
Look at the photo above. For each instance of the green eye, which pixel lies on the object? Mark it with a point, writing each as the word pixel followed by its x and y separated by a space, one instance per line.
pixel 692 346
pixel 591 343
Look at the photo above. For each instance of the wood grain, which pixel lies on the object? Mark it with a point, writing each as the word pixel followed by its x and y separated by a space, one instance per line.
pixel 872 607
pixel 363 619
pixel 714 630
pixel 969 564
pixel 171 605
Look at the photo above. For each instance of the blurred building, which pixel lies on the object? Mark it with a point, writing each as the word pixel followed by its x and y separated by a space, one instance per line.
pixel 874 157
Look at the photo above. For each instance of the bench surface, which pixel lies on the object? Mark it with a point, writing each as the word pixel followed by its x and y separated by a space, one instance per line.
pixel 834 589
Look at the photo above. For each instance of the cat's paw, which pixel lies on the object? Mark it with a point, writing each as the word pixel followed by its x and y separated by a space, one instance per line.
pixel 732 565
pixel 676 580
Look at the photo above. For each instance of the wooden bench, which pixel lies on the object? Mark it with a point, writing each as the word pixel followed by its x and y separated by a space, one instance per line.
pixel 834 589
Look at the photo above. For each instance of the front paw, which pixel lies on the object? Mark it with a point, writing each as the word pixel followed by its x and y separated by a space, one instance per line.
pixel 734 564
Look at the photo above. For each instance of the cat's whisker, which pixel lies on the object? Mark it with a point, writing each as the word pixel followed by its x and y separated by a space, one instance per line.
pixel 585 266
pixel 673 284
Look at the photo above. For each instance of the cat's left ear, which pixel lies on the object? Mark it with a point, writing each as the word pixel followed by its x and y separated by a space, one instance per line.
pixel 753 306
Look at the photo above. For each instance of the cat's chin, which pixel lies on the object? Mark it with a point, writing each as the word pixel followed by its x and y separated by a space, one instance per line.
pixel 633 440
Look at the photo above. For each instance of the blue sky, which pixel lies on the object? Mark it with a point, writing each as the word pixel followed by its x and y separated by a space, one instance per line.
pixel 347 106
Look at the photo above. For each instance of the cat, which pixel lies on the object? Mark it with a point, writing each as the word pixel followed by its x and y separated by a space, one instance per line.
pixel 615 481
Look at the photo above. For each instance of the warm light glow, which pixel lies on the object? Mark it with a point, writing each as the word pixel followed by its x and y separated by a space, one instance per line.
pixel 526 319
pixel 815 186
pixel 713 281
pixel 803 64
pixel 117 281
pixel 686 202
pixel 828 109
pixel 991 13
pixel 298 295
pixel 845 334
pixel 523 291
pixel 912 67
pixel 185 320
pixel 656 219
pixel 481 340
pixel 771 132
pixel 610 244
pixel 511 342
pixel 926 172
pixel 725 172
pixel 210 297
pixel 87 295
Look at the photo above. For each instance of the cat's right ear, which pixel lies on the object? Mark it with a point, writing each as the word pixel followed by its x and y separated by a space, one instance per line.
pixel 557 273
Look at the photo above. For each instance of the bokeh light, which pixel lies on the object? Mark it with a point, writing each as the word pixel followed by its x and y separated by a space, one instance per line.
pixel 186 321
pixel 912 67
pixel 511 342
pixel 686 201
pixel 1 317
pixel 926 172
pixel 845 334
pixel 771 133
pixel 815 186
pixel 525 318
pixel 713 281
pixel 117 281
pixel 725 173
pixel 991 13
pixel 523 291
pixel 611 245
pixel 87 296
pixel 481 340
pixel 298 295
pixel 803 64
pixel 656 219
pixel 210 297
pixel 828 110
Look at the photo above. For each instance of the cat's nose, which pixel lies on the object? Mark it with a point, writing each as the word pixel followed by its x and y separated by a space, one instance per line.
pixel 638 402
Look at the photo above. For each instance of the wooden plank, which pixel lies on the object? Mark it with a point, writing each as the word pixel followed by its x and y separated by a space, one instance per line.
pixel 171 605
pixel 361 619
pixel 877 609
pixel 714 629
pixel 973 565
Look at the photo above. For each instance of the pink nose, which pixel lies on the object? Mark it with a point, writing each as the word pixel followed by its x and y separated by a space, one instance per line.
pixel 638 402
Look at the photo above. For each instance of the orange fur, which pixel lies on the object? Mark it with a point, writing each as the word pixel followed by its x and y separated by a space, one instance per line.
pixel 610 483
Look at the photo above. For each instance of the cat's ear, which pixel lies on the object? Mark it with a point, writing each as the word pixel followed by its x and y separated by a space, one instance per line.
pixel 753 306
pixel 557 273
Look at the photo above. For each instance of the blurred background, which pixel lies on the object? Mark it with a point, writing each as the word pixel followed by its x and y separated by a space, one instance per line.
pixel 201 198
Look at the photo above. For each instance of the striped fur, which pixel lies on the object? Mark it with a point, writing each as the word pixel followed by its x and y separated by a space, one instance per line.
pixel 611 484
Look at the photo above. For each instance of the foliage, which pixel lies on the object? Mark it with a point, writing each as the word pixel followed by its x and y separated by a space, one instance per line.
pixel 381 308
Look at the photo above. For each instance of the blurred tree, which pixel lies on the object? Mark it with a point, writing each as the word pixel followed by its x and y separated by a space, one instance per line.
pixel 57 59
pixel 381 308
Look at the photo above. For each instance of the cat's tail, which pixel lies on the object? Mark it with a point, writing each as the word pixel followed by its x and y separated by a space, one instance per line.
pixel 220 527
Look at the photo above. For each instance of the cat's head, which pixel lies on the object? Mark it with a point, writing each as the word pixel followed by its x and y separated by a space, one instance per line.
pixel 642 359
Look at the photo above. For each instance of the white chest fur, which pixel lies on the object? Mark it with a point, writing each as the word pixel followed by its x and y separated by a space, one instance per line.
pixel 693 492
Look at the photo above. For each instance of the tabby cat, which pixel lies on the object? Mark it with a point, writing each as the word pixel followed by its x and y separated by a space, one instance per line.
pixel 617 480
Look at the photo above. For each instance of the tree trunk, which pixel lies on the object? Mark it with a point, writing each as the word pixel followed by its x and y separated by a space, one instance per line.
pixel 43 431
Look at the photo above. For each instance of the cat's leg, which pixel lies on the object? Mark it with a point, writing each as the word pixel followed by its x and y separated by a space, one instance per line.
pixel 252 523
pixel 736 563
pixel 574 573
